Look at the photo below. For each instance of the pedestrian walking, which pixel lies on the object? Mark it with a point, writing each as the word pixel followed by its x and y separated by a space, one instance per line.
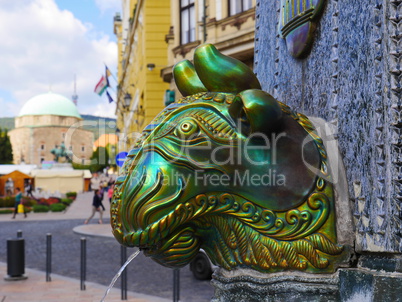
pixel 95 182
pixel 96 207
pixel 18 198
pixel 110 192
pixel 29 189
pixel 103 189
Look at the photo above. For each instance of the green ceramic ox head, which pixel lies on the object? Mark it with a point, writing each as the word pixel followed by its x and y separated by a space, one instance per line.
pixel 229 169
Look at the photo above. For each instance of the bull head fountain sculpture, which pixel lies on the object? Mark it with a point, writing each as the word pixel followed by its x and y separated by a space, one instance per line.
pixel 229 169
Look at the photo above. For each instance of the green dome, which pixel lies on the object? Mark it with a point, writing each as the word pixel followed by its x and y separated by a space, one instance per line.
pixel 49 104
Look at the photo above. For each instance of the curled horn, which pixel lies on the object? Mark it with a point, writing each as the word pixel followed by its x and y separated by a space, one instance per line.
pixel 221 73
pixel 257 111
pixel 186 79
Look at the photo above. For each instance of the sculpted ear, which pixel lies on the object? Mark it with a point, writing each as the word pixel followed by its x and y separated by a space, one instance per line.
pixel 257 111
pixel 186 78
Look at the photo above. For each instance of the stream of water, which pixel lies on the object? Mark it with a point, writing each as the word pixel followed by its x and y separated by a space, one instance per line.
pixel 131 258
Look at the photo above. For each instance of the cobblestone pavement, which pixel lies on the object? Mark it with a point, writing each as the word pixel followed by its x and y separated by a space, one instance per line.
pixel 103 259
pixel 61 289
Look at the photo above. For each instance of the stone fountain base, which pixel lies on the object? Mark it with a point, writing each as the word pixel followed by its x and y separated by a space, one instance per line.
pixel 375 278
pixel 247 285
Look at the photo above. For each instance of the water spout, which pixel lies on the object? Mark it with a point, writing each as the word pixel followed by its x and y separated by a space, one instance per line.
pixel 135 254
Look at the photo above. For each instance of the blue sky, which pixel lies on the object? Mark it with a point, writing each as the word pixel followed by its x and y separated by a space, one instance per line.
pixel 88 11
pixel 52 41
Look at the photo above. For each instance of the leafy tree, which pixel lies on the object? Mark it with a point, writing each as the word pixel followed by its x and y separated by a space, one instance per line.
pixel 6 152
pixel 99 159
pixel 78 166
pixel 111 150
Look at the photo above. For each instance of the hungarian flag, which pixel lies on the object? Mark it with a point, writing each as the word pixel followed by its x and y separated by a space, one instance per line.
pixel 102 85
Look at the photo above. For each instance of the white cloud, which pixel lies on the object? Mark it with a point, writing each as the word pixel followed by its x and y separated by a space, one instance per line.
pixel 104 110
pixel 43 46
pixel 105 5
pixel 7 106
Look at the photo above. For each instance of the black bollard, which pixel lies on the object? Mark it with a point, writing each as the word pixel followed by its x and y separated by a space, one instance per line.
pixel 176 285
pixel 48 257
pixel 83 262
pixel 16 258
pixel 123 259
pixel 19 234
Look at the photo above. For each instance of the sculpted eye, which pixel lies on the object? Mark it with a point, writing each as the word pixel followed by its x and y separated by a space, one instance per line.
pixel 188 127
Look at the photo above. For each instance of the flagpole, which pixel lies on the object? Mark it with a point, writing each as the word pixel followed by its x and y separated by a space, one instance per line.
pixel 111 73
pixel 114 90
pixel 113 76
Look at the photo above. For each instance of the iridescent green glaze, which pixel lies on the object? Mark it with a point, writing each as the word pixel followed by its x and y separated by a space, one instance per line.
pixel 184 73
pixel 297 25
pixel 238 174
pixel 261 111
pixel 229 75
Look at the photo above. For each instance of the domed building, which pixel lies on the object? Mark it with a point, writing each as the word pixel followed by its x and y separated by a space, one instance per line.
pixel 45 122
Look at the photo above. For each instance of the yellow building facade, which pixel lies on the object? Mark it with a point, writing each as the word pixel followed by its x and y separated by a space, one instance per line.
pixel 228 24
pixel 140 32
pixel 155 35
